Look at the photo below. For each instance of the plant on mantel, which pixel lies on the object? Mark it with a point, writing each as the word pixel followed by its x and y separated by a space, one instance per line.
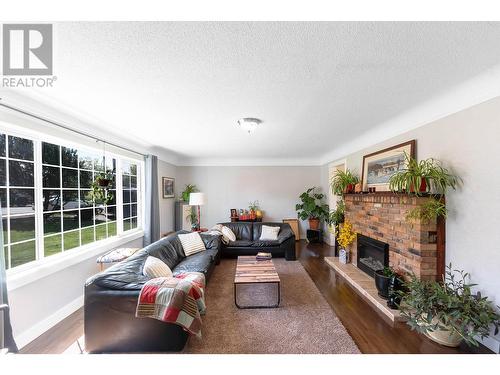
pixel 422 177
pixel 343 182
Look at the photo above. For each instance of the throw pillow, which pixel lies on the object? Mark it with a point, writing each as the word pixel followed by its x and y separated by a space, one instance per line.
pixel 227 235
pixel 269 233
pixel 191 243
pixel 154 267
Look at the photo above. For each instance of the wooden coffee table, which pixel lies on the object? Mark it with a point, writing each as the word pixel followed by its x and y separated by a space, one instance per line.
pixel 253 272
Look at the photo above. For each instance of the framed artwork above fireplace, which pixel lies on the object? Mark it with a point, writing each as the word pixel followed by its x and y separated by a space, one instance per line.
pixel 378 167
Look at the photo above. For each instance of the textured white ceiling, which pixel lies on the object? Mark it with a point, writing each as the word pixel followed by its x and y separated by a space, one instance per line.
pixel 316 86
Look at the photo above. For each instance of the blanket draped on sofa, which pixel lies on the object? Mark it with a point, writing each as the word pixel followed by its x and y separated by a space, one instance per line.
pixel 179 300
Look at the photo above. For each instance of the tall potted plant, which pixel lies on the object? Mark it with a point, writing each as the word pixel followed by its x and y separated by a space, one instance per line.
pixel 312 208
pixel 343 182
pixel 448 311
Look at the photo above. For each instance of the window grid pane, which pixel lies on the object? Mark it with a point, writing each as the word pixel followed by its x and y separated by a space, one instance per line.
pixel 68 217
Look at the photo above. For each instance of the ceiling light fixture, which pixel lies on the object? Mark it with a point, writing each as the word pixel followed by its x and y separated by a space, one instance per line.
pixel 249 124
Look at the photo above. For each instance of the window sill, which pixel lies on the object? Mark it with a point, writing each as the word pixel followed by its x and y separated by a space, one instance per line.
pixel 18 278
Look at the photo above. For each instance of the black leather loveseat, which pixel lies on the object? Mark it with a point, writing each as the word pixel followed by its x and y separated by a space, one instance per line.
pixel 111 298
pixel 248 242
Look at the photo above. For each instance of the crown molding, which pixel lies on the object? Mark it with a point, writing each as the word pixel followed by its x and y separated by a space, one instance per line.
pixel 249 162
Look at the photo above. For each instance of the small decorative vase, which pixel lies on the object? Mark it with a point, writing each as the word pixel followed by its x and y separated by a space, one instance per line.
pixel 344 256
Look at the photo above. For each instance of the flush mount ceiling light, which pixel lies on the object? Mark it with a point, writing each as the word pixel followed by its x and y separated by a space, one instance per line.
pixel 249 124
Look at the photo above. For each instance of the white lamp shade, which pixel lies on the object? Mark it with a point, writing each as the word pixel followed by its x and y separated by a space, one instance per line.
pixel 197 199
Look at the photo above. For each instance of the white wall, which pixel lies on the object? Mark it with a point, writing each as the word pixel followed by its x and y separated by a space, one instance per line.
pixel 276 188
pixel 167 205
pixel 468 141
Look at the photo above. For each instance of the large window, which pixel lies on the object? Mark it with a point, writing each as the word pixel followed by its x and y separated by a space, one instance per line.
pixel 129 191
pixel 17 190
pixel 47 206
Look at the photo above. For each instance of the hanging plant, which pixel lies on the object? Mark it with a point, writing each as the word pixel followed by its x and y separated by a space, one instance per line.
pixel 99 190
pixel 105 179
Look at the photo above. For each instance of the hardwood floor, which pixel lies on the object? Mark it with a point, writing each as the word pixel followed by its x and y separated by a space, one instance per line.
pixel 371 332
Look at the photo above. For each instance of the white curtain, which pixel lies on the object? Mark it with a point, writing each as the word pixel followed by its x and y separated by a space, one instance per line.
pixel 152 204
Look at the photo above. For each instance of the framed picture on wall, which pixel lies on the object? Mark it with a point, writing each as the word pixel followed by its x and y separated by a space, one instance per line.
pixel 379 166
pixel 168 187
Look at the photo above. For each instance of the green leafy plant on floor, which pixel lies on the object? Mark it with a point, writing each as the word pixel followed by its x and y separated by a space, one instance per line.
pixel 427 174
pixel 341 180
pixel 192 218
pixel 427 212
pixel 312 206
pixel 449 305
pixel 190 188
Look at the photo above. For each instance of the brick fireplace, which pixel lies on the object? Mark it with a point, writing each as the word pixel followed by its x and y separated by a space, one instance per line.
pixel 417 248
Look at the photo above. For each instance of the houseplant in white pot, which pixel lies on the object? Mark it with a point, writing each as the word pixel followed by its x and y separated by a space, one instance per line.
pixel 448 312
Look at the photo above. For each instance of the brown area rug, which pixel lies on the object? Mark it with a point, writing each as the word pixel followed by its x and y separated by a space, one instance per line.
pixel 304 322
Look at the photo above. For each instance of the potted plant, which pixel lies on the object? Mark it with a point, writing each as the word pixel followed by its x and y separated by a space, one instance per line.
pixel 383 280
pixel 192 218
pixel 104 179
pixel 190 188
pixel 336 217
pixel 312 208
pixel 343 182
pixel 99 189
pixel 345 238
pixel 427 212
pixel 448 311
pixel 253 207
pixel 423 176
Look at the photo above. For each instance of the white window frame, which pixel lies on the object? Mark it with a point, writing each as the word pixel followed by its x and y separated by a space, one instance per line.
pixel 65 255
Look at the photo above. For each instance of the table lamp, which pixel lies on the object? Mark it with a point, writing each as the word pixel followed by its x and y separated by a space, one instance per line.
pixel 197 199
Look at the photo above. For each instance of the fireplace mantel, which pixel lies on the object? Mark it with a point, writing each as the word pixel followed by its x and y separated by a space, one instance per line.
pixel 413 248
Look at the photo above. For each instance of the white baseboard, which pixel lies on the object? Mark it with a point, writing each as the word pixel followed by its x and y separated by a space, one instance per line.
pixel 32 333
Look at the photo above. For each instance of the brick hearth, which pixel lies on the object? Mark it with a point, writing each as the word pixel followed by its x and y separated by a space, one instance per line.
pixel 412 247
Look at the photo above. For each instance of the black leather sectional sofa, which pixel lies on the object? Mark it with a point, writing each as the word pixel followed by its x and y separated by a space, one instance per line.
pixel 111 298
pixel 248 240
